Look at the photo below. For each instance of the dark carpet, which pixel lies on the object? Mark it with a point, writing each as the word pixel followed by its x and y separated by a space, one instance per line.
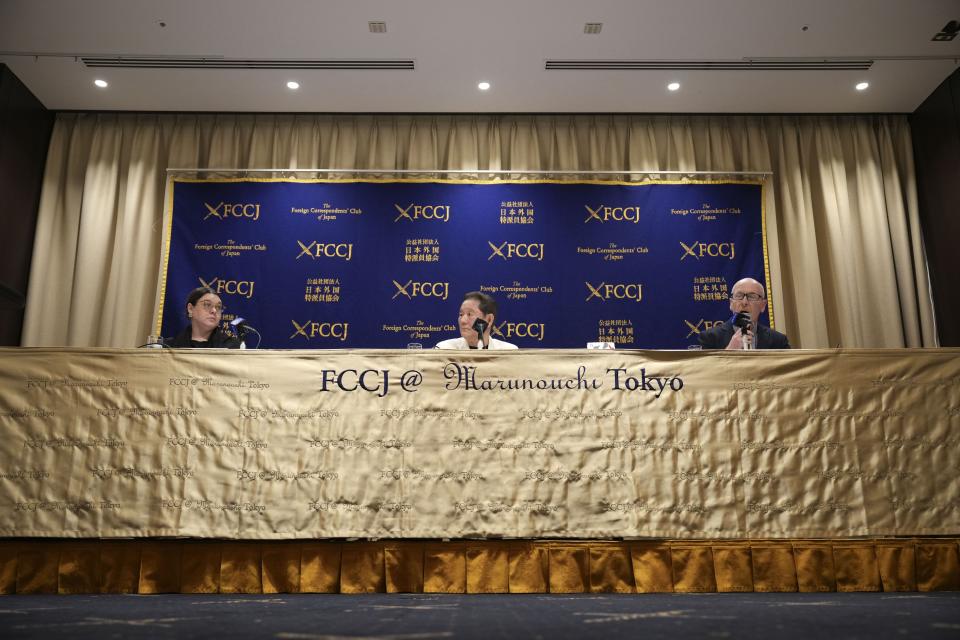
pixel 486 617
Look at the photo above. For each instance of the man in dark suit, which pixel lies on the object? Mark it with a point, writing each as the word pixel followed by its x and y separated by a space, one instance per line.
pixel 748 296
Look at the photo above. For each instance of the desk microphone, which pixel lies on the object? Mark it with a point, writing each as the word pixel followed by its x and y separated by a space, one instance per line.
pixel 242 327
pixel 480 326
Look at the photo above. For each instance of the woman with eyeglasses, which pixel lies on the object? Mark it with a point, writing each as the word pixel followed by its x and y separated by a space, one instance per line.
pixel 205 311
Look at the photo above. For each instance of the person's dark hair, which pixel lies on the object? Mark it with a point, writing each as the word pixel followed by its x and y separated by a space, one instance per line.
pixel 486 303
pixel 196 294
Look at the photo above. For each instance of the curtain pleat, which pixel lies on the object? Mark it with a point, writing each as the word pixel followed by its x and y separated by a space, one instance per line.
pixel 193 566
pixel 846 252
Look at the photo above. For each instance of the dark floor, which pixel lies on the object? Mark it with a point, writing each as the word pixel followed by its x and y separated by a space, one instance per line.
pixel 487 617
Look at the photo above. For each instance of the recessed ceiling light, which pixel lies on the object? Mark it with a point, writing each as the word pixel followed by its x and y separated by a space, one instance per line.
pixel 101 83
pixel 673 86
pixel 862 86
pixel 293 85
pixel 483 86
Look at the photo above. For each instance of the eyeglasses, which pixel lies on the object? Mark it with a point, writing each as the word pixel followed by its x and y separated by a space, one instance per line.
pixel 749 297
pixel 206 305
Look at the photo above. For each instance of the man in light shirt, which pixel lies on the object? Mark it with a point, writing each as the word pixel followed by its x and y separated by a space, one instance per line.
pixel 476 306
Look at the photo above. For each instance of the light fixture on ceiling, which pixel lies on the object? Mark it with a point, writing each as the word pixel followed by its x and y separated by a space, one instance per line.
pixel 221 62
pixel 862 86
pixel 103 84
pixel 377 26
pixel 293 85
pixel 674 86
pixel 948 33
pixel 483 86
pixel 742 64
pixel 592 28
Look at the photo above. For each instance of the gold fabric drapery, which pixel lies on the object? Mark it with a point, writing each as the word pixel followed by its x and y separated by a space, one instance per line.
pixel 845 244
pixel 847 431
pixel 70 567
pixel 435 444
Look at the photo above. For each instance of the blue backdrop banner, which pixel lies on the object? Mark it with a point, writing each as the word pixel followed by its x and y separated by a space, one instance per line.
pixel 382 264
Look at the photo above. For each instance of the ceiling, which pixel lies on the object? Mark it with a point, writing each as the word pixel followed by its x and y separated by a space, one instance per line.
pixel 454 44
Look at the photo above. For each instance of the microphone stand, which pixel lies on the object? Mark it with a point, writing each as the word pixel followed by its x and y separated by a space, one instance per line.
pixel 259 337
pixel 242 335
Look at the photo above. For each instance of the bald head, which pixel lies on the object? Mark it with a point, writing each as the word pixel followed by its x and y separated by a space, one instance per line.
pixel 744 288
pixel 747 285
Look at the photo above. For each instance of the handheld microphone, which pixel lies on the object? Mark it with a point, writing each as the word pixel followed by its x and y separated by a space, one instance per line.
pixel 480 326
pixel 741 320
pixel 745 323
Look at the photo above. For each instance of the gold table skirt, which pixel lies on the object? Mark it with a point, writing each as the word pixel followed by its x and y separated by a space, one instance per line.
pixel 210 566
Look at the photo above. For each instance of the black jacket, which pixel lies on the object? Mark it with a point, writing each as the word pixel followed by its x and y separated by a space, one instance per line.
pixel 219 339
pixel 719 337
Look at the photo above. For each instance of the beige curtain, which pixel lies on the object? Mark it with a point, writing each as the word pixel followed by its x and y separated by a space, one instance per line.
pixel 847 259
